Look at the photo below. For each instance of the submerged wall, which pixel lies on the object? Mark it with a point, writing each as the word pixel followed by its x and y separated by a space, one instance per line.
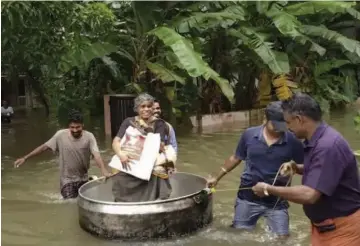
pixel 208 121
pixel 226 119
pixel 357 102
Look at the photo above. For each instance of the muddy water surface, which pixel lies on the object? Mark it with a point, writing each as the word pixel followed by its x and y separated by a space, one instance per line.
pixel 33 212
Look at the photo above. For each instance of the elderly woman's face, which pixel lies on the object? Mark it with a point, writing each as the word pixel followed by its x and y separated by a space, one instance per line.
pixel 145 110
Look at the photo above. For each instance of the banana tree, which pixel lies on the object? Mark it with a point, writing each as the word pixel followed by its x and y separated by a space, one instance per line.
pixel 187 40
pixel 284 19
pixel 282 25
pixel 163 61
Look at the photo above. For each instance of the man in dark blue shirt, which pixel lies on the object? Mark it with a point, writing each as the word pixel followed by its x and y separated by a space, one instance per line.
pixel 330 189
pixel 264 149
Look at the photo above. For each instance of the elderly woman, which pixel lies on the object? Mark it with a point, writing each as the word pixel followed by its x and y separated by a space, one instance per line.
pixel 127 188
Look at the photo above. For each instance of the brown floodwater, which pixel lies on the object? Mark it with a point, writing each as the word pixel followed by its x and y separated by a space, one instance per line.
pixel 33 212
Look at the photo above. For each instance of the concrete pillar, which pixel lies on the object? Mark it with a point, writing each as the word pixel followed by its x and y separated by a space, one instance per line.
pixel 28 94
pixel 107 116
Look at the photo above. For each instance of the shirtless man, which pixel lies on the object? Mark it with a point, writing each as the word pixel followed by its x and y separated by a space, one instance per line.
pixel 75 146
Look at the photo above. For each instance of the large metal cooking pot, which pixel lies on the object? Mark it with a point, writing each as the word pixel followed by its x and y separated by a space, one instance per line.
pixel 188 209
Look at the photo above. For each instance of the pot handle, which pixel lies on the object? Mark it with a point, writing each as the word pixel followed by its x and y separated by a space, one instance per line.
pixel 201 197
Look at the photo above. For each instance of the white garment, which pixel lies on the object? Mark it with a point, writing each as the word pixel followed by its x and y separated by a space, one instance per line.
pixel 7 111
pixel 143 167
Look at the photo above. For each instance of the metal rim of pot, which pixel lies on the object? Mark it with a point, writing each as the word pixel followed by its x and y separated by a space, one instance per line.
pixel 139 203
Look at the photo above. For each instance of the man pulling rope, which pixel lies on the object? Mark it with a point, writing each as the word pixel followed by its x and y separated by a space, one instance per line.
pixel 264 149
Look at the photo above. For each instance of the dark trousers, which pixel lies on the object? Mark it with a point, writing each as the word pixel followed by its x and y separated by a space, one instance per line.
pixel 71 190
pixel 5 119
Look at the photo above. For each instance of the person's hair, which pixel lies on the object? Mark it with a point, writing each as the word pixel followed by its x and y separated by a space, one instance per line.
pixel 75 116
pixel 141 98
pixel 156 101
pixel 303 104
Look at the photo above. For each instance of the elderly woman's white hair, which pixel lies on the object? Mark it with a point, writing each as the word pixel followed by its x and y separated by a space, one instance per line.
pixel 141 98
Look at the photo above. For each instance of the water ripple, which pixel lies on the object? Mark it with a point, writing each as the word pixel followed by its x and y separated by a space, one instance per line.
pixel 33 212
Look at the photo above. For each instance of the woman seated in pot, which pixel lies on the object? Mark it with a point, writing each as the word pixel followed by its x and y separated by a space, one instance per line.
pixel 127 188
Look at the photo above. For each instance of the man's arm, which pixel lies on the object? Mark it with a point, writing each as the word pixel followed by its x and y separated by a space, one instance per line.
pixel 323 177
pixel 234 160
pixel 298 194
pixel 94 149
pixel 50 144
pixel 229 165
pixel 36 151
pixel 99 161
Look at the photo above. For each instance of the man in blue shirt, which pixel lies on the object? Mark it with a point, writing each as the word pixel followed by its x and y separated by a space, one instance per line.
pixel 264 149
pixel 170 138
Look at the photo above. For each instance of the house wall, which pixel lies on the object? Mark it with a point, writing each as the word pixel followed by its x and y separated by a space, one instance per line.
pixel 18 92
pixel 243 118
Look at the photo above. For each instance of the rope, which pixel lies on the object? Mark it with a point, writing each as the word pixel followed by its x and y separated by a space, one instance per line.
pixel 291 173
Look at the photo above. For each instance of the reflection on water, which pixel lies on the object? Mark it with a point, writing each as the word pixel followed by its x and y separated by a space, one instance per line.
pixel 33 212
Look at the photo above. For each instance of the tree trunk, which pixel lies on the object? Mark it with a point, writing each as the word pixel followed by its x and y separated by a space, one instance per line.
pixel 357 72
pixel 199 103
pixel 29 94
pixel 35 84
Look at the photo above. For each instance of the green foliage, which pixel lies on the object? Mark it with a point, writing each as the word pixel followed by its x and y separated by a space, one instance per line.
pixel 278 62
pixel 183 52
pixel 319 7
pixel 326 66
pixel 163 73
pixel 46 40
pixel 202 21
pixel 357 128
pixel 190 60
pixel 347 44
pixel 288 25
pixel 357 122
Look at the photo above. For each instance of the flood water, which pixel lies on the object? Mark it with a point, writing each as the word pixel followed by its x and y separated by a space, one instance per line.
pixel 33 212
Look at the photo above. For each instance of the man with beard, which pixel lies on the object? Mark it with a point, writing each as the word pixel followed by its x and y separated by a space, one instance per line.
pixel 330 189
pixel 264 149
pixel 74 146
pixel 170 138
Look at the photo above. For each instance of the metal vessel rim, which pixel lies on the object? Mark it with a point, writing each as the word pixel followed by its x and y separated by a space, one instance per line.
pixel 138 203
